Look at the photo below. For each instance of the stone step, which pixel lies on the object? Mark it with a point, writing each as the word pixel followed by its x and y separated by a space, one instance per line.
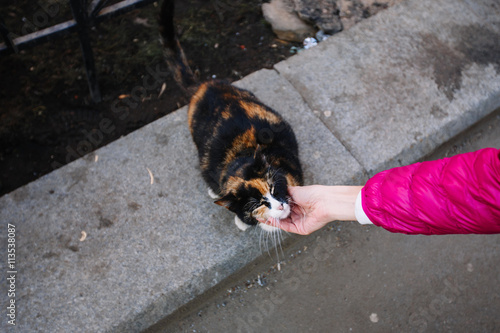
pixel 124 236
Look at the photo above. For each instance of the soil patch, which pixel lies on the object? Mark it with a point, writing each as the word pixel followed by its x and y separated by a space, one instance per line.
pixel 47 118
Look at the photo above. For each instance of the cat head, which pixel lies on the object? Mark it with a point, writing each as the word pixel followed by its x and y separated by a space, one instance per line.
pixel 258 191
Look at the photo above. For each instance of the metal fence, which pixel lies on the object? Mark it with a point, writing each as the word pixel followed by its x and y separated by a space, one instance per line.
pixel 86 14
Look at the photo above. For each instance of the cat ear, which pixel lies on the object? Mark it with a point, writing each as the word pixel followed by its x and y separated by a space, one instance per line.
pixel 226 201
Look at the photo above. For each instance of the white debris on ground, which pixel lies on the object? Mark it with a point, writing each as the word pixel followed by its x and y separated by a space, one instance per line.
pixel 374 318
pixel 310 42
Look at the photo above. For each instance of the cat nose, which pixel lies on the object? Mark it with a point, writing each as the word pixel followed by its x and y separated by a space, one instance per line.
pixel 281 207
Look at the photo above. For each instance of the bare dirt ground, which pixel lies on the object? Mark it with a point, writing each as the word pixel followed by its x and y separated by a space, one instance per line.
pixel 47 118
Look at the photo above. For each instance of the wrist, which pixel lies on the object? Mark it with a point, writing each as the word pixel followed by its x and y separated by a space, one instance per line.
pixel 340 202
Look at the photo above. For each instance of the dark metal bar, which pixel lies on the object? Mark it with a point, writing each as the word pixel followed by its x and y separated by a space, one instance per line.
pixel 83 20
pixel 79 9
pixel 57 30
pixel 40 36
pixel 6 37
pixel 121 7
pixel 96 6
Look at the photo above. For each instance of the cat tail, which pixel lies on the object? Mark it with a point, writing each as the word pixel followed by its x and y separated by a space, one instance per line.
pixel 172 49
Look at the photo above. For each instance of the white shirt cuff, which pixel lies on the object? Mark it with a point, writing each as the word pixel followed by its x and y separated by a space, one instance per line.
pixel 359 213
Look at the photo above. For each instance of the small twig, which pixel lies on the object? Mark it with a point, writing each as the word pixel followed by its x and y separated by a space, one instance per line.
pixel 151 176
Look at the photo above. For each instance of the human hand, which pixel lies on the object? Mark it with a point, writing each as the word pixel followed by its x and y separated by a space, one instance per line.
pixel 312 207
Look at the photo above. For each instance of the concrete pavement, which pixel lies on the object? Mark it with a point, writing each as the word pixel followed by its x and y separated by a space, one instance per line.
pixel 349 278
pixel 125 236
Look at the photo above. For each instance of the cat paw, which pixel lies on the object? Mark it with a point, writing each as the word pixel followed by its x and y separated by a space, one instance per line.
pixel 240 224
pixel 212 194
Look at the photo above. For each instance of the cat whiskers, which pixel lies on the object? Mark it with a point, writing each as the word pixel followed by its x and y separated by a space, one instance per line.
pixel 275 236
pixel 251 205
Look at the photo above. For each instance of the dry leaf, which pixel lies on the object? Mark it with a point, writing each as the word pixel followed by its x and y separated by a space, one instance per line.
pixel 162 90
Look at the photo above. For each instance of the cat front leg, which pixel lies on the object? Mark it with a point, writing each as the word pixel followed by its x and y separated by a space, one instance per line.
pixel 212 194
pixel 240 224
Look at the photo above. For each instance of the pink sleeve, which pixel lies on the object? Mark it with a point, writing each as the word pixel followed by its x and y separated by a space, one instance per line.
pixel 457 195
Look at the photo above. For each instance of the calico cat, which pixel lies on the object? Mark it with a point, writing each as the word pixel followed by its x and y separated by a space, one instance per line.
pixel 248 153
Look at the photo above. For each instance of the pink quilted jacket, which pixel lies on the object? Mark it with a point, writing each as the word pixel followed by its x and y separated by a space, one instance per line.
pixel 457 195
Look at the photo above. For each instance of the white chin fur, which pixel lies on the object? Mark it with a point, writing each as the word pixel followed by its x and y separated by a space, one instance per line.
pixel 280 214
pixel 243 226
pixel 268 228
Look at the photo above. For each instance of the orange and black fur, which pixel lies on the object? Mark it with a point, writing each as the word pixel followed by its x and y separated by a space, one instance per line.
pixel 248 153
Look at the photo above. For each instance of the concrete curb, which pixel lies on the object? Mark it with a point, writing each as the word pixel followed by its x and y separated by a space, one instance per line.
pixel 369 98
pixel 396 86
